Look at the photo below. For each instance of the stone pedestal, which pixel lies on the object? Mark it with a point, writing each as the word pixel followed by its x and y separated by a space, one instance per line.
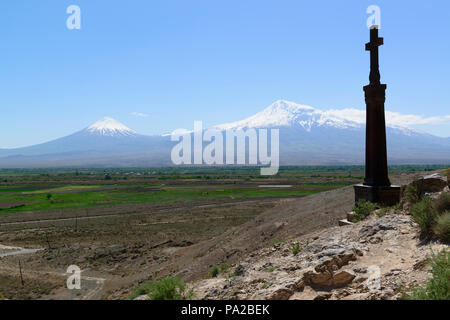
pixel 387 196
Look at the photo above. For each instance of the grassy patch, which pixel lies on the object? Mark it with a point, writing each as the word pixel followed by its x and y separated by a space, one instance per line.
pixel 70 197
pixel 218 269
pixel 442 227
pixel 385 210
pixel 442 203
pixel 64 189
pixel 438 286
pixel 412 193
pixel 164 289
pixel 295 249
pixel 424 214
pixel 362 209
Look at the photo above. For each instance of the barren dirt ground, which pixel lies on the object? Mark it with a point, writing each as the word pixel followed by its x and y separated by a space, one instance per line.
pixel 117 251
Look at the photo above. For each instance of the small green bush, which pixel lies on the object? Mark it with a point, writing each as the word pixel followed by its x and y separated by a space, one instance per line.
pixel 295 249
pixel 442 203
pixel 442 227
pixel 412 193
pixel 49 196
pixel 216 270
pixel 424 214
pixel 438 286
pixel 164 289
pixel 362 209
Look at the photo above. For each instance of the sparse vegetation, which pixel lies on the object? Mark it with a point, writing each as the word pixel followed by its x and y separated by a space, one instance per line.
pixel 424 214
pixel 278 241
pixel 362 209
pixel 412 193
pixel 295 249
pixel 385 210
pixel 164 289
pixel 128 240
pixel 438 286
pixel 216 270
pixel 442 227
pixel 270 269
pixel 442 203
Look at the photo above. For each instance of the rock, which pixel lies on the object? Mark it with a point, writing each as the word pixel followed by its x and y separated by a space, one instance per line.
pixel 327 279
pixel 351 216
pixel 357 296
pixel 240 270
pixel 285 290
pixel 318 279
pixel 375 240
pixel 420 265
pixel 323 295
pixel 398 296
pixel 343 278
pixel 344 222
pixel 388 222
pixel 431 183
pixel 281 293
pixel 360 269
pixel 360 279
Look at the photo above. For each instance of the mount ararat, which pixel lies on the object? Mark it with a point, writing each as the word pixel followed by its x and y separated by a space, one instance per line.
pixel 308 136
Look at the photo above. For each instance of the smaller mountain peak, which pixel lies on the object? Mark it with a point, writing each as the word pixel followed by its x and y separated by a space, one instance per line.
pixel 109 127
pixel 288 106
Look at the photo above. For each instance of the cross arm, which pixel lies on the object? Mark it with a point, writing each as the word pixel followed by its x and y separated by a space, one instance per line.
pixel 372 45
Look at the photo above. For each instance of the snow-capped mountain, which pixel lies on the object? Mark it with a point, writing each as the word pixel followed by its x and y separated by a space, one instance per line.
pixel 308 136
pixel 106 142
pixel 313 136
pixel 110 127
pixel 284 113
pixel 289 114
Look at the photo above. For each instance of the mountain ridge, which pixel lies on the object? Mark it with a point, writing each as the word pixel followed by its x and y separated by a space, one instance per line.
pixel 308 136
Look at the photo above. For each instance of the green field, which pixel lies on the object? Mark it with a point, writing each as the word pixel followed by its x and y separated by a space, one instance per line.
pixel 82 197
pixel 55 189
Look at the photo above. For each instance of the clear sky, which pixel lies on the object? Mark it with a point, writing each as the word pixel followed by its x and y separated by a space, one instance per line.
pixel 212 60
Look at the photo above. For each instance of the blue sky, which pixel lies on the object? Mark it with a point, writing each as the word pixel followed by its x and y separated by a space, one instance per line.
pixel 216 61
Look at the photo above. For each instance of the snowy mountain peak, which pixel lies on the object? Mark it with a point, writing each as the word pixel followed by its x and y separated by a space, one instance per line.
pixel 285 113
pixel 288 106
pixel 109 127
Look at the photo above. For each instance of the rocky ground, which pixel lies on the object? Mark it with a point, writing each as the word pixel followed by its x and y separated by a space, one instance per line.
pixel 381 257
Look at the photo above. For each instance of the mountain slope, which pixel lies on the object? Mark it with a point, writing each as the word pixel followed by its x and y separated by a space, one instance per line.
pixel 311 136
pixel 288 114
pixel 107 142
pixel 308 136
